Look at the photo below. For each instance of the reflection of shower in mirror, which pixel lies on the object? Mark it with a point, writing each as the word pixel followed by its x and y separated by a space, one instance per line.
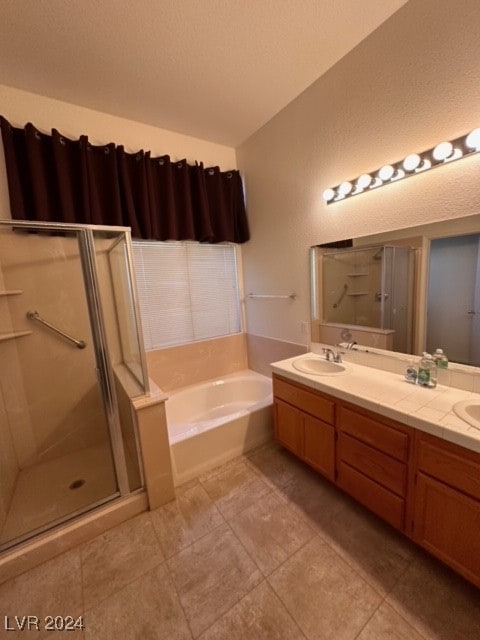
pixel 369 287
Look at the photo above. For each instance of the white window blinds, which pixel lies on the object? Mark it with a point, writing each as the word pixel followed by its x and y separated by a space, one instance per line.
pixel 188 291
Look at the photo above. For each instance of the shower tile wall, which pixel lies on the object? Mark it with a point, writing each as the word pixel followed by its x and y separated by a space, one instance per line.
pixel 51 369
pixel 8 457
pixel 8 464
pixel 360 273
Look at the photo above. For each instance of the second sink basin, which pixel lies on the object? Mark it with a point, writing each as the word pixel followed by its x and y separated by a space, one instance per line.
pixel 468 410
pixel 318 366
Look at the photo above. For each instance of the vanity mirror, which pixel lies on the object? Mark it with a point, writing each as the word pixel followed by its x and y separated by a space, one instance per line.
pixel 408 290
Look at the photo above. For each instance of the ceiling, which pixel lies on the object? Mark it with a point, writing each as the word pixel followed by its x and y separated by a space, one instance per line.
pixel 213 69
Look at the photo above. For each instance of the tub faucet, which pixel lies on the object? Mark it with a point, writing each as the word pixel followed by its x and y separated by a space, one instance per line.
pixel 331 356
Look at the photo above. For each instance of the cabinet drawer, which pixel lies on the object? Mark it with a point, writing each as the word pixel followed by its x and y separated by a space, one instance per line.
pixel 375 433
pixel 379 500
pixel 450 463
pixel 388 472
pixel 310 402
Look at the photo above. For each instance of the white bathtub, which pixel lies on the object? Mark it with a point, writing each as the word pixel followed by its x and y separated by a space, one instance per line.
pixel 212 422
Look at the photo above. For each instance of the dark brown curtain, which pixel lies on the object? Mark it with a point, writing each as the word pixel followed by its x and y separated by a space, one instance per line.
pixel 54 179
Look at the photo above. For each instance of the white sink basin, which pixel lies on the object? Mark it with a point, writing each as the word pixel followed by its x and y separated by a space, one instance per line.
pixel 318 367
pixel 468 410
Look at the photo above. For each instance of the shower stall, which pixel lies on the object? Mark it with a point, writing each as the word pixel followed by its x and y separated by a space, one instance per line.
pixel 370 287
pixel 71 357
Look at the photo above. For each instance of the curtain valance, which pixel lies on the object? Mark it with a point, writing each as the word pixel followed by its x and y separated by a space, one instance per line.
pixel 53 178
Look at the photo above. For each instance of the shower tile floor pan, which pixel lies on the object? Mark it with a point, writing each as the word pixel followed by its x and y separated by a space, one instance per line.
pixel 43 494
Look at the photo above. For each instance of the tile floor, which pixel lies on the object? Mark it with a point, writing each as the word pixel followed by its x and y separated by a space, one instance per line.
pixel 260 548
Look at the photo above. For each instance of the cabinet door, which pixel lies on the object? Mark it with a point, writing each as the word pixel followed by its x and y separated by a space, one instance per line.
pixel 289 427
pixel 447 523
pixel 319 446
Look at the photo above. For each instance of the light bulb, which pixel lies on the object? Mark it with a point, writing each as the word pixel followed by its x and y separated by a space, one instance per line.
pixel 411 162
pixel 364 180
pixel 426 164
pixel 328 195
pixel 473 139
pixel 386 172
pixel 442 151
pixel 345 188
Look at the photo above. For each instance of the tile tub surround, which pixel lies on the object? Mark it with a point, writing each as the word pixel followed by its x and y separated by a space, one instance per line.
pixel 208 566
pixel 389 394
pixel 184 365
pixel 261 351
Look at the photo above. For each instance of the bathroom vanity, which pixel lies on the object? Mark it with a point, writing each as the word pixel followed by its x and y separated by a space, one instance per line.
pixel 361 432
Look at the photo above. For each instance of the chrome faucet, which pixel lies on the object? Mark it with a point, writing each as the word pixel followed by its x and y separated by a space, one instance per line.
pixel 348 345
pixel 331 356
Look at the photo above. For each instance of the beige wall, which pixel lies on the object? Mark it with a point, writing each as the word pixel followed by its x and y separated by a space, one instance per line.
pixel 20 107
pixel 411 84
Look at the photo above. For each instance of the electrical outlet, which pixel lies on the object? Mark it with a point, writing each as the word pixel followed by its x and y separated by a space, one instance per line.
pixel 304 328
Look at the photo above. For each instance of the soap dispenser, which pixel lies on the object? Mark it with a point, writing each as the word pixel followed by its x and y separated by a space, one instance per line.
pixel 440 359
pixel 427 371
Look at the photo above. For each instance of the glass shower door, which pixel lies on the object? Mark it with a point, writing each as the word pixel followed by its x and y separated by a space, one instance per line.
pixel 58 455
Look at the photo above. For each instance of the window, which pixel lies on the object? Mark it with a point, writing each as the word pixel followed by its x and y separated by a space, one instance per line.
pixel 188 291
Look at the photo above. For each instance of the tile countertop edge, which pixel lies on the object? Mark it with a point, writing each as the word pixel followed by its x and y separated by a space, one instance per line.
pixel 457 432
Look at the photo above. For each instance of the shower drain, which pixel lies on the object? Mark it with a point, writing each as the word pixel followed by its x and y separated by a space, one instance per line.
pixel 76 484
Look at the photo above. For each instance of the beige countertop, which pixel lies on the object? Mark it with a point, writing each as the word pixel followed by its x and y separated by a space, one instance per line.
pixel 390 395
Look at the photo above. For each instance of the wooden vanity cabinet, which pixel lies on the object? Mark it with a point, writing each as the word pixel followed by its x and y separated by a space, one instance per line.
pixel 446 513
pixel 304 424
pixel 422 485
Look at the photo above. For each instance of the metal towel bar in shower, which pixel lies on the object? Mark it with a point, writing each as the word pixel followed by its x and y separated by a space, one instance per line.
pixel 292 296
pixel 34 315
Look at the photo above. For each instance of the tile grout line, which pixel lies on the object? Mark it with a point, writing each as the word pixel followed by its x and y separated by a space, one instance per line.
pixel 179 599
pixel 233 606
pixel 163 560
pixel 366 579
pixel 283 603
pixel 215 502
pixel 369 619
pixel 340 557
pixel 236 601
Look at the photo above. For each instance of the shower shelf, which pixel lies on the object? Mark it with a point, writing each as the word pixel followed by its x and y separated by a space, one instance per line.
pixel 356 275
pixel 12 292
pixel 14 334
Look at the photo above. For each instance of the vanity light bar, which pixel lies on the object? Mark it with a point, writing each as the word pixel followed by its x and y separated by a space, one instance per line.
pixel 414 163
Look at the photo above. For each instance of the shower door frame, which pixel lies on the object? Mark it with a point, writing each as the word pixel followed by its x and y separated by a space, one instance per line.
pixel 103 369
